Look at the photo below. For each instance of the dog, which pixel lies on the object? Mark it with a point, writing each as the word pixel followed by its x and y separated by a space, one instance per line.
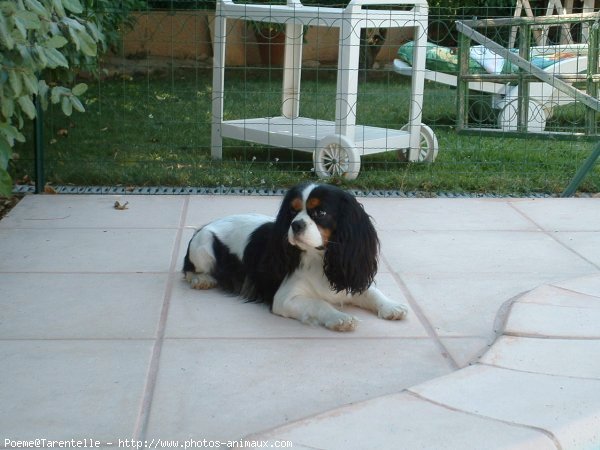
pixel 321 251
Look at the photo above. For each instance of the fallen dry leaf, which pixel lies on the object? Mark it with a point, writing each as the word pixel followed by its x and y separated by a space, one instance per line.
pixel 49 190
pixel 120 206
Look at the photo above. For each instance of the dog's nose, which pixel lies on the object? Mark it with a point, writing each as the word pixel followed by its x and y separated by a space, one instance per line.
pixel 298 226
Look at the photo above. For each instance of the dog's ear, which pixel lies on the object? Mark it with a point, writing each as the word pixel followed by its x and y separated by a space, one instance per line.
pixel 350 262
pixel 286 257
pixel 286 212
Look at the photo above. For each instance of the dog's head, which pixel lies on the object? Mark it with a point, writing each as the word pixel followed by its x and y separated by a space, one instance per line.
pixel 328 221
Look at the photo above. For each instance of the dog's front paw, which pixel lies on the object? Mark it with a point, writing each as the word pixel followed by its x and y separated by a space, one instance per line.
pixel 200 280
pixel 342 322
pixel 392 311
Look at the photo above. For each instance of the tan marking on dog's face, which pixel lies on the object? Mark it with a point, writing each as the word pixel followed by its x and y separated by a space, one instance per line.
pixel 313 202
pixel 297 204
pixel 325 234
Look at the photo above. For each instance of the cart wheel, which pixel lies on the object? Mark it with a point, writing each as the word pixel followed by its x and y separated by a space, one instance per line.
pixel 428 146
pixel 336 156
pixel 508 118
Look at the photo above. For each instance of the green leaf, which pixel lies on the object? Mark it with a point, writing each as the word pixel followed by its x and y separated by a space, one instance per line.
pixel 74 38
pixel 73 5
pixel 57 93
pixel 77 104
pixel 94 31
pixel 5 153
pixel 5 35
pixel 58 7
pixel 79 89
pixel 37 8
pixel 29 19
pixel 73 24
pixel 9 8
pixel 56 58
pixel 8 107
pixel 20 27
pixel 25 52
pixel 39 55
pixel 66 106
pixel 27 106
pixel 88 45
pixel 57 41
pixel 11 133
pixel 14 79
pixel 31 83
pixel 6 183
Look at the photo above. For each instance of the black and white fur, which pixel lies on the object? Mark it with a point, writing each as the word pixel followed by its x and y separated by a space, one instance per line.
pixel 321 250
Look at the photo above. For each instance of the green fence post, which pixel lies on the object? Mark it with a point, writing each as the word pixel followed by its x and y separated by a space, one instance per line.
pixel 582 172
pixel 523 85
pixel 462 86
pixel 38 141
pixel 592 70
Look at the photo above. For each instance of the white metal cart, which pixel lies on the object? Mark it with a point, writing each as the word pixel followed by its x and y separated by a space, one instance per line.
pixel 336 145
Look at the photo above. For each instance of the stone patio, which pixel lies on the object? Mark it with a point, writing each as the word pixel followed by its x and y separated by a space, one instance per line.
pixel 101 338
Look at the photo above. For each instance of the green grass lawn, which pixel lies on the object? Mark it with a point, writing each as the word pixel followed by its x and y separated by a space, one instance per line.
pixel 149 130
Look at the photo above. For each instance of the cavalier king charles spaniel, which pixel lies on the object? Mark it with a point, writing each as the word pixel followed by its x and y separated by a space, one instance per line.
pixel 319 252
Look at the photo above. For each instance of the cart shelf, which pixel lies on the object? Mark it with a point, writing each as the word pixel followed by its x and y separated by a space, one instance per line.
pixel 304 134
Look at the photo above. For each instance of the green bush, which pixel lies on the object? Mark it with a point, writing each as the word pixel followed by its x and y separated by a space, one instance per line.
pixel 42 45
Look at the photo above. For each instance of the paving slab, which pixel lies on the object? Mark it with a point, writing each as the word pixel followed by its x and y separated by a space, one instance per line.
pixel 407 422
pixel 426 252
pixel 584 243
pixel 586 285
pixel 567 406
pixel 86 250
pixel 72 389
pixel 457 214
pixel 80 306
pixel 96 211
pixel 228 388
pixel 554 295
pixel 563 357
pixel 534 319
pixel 203 209
pixel 561 214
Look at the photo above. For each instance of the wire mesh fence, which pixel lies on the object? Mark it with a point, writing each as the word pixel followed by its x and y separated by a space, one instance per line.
pixel 493 127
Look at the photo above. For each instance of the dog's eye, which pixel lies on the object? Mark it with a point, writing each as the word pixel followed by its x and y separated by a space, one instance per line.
pixel 318 213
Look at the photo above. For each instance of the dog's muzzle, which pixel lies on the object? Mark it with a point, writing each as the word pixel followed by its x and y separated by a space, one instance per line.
pixel 298 226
